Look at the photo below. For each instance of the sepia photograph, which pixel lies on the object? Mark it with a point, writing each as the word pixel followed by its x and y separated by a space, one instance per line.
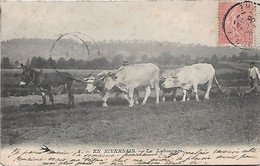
pixel 130 82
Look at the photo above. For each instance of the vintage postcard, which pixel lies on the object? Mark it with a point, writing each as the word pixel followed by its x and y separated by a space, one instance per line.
pixel 130 82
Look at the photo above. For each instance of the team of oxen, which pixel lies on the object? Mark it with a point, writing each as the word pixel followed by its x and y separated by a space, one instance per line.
pixel 128 81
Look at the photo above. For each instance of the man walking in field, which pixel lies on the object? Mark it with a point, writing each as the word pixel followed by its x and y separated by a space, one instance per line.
pixel 253 76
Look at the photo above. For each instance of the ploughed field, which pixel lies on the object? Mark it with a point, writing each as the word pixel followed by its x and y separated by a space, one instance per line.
pixel 232 120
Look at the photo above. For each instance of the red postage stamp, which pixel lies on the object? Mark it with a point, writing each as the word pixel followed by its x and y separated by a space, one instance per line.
pixel 237 24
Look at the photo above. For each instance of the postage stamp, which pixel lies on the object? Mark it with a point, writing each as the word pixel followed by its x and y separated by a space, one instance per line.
pixel 130 83
pixel 237 24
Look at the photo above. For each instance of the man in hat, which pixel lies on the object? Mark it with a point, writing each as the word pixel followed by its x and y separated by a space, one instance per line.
pixel 125 63
pixel 253 76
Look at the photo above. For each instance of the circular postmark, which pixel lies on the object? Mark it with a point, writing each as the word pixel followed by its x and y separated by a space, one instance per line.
pixel 239 24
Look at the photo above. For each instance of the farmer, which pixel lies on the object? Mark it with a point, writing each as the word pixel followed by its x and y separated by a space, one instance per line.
pixel 253 76
pixel 124 63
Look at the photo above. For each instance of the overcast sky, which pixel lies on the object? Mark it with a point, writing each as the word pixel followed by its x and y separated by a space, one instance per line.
pixel 185 22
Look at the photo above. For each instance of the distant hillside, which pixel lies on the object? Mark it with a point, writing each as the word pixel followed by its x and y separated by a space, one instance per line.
pixel 21 49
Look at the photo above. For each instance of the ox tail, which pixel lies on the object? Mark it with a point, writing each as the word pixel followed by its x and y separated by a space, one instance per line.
pixel 215 78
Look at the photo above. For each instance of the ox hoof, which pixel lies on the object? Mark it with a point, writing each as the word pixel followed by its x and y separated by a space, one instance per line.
pixel 197 100
pixel 131 106
pixel 183 101
pixel 104 105
pixel 137 103
pixel 163 100
pixel 157 100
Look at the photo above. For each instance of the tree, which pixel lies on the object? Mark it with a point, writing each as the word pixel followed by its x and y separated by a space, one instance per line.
pixel 166 58
pixel 16 64
pixel 224 58
pixel 34 62
pixel 144 58
pixel 256 56
pixel 131 59
pixel 214 60
pixel 100 63
pixel 187 59
pixel 6 64
pixel 82 64
pixel 28 63
pixel 177 60
pixel 243 55
pixel 234 58
pixel 39 62
pixel 72 63
pixel 51 63
pixel 62 63
pixel 117 61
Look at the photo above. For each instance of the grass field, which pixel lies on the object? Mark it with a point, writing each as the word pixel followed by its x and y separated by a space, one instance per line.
pixel 218 121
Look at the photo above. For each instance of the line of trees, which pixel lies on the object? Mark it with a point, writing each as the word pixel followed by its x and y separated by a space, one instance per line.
pixel 7 64
pixel 165 59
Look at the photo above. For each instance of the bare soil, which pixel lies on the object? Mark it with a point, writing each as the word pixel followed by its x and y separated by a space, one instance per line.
pixel 218 121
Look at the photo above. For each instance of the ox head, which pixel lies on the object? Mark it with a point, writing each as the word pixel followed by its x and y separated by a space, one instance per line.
pixel 170 82
pixel 94 83
pixel 110 81
pixel 26 77
pixel 91 84
pixel 162 79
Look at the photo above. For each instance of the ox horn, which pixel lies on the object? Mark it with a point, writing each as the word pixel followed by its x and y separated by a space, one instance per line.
pixel 101 77
pixel 85 79
pixel 111 74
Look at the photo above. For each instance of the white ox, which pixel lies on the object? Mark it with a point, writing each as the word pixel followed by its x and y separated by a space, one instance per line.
pixel 133 76
pixel 192 76
pixel 168 74
pixel 97 84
